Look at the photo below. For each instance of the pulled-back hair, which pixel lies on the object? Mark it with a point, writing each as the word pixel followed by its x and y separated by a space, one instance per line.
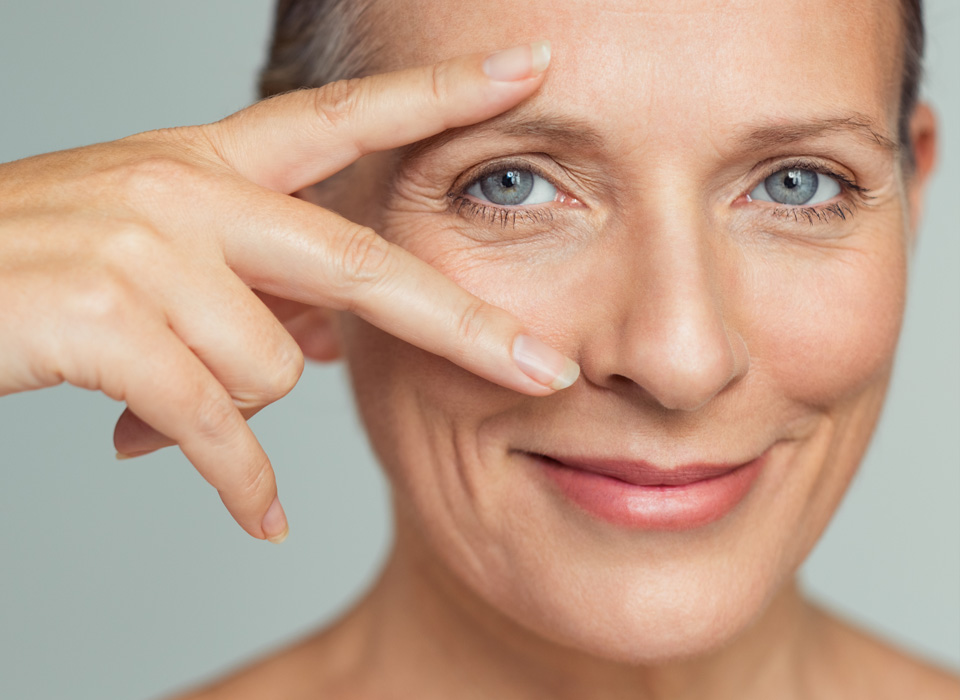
pixel 316 42
pixel 319 41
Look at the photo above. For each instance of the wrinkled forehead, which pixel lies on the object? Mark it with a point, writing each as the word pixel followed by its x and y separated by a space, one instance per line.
pixel 677 68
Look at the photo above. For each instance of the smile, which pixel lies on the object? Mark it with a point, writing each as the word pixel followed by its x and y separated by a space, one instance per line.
pixel 642 496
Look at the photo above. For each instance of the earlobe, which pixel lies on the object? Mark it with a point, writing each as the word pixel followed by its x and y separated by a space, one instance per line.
pixel 317 333
pixel 923 141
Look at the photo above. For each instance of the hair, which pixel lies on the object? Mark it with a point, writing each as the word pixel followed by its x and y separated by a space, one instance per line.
pixel 316 42
pixel 914 42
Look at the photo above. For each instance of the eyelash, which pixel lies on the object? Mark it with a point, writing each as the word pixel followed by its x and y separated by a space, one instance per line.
pixel 493 213
pixel 496 214
pixel 855 195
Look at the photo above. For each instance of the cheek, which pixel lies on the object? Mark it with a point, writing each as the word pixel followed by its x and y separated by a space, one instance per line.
pixel 514 270
pixel 826 325
pixel 822 335
pixel 423 413
pixel 417 409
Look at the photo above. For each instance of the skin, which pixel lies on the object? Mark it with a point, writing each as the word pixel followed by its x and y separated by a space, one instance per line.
pixel 708 328
pixel 159 269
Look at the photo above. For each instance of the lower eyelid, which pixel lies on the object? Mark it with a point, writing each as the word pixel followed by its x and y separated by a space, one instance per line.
pixel 842 207
pixel 494 214
pixel 819 214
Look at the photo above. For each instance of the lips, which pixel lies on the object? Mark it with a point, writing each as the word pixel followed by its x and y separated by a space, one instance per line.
pixel 639 495
pixel 644 473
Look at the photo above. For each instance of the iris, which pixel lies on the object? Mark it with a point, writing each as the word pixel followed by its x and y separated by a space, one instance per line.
pixel 507 187
pixel 796 186
pixel 792 186
pixel 511 187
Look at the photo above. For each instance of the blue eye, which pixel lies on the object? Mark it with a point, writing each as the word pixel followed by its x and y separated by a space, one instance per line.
pixel 796 186
pixel 511 187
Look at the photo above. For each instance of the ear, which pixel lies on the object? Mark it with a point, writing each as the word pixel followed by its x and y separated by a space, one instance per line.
pixel 315 329
pixel 317 332
pixel 923 140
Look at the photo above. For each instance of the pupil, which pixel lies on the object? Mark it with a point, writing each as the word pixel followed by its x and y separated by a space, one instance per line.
pixel 507 187
pixel 795 186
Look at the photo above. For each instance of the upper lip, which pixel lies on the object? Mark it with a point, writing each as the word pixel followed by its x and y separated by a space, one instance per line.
pixel 644 473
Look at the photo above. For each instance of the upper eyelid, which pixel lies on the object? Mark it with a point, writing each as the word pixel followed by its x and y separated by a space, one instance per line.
pixel 847 183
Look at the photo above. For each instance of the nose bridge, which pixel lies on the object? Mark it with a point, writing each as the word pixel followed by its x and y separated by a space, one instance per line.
pixel 674 341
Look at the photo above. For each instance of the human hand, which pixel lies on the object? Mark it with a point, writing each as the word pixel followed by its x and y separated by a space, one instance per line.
pixel 154 268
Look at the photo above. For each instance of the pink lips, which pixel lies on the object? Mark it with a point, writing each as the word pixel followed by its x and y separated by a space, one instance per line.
pixel 639 495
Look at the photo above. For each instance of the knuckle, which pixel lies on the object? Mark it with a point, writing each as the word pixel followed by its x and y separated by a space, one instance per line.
pixel 285 374
pixel 439 80
pixel 472 324
pixel 364 258
pixel 157 175
pixel 290 368
pixel 130 243
pixel 101 297
pixel 335 102
pixel 214 417
pixel 254 480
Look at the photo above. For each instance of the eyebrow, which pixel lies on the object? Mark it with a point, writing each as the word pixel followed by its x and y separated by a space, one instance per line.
pixel 861 126
pixel 579 134
pixel 576 134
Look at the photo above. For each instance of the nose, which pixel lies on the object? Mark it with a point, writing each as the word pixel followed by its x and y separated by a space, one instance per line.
pixel 667 327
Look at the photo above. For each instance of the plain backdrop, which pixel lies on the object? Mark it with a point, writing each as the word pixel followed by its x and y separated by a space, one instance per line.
pixel 130 580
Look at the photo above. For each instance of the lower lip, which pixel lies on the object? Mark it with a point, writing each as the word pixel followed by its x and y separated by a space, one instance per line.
pixel 668 508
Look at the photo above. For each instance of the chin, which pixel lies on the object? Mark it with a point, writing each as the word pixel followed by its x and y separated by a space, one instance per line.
pixel 662 601
pixel 640 626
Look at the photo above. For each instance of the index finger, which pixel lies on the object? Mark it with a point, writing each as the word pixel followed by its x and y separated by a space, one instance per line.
pixel 317 257
pixel 294 140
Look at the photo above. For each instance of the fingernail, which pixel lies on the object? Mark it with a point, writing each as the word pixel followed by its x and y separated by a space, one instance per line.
pixel 525 61
pixel 543 364
pixel 274 523
pixel 131 455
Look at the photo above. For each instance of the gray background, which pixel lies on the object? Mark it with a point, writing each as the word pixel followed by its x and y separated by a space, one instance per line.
pixel 130 580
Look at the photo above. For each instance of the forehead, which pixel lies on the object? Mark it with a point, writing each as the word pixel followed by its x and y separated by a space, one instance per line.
pixel 680 69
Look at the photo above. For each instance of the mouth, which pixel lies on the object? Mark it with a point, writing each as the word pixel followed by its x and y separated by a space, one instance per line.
pixel 642 496
pixel 644 473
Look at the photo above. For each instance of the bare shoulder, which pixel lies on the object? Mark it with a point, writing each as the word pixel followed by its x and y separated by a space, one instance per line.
pixel 875 668
pixel 324 664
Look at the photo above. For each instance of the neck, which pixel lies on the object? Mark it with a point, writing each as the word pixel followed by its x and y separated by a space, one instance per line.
pixel 424 632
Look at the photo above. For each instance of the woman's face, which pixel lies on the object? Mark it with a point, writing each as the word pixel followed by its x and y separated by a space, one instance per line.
pixel 711 326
